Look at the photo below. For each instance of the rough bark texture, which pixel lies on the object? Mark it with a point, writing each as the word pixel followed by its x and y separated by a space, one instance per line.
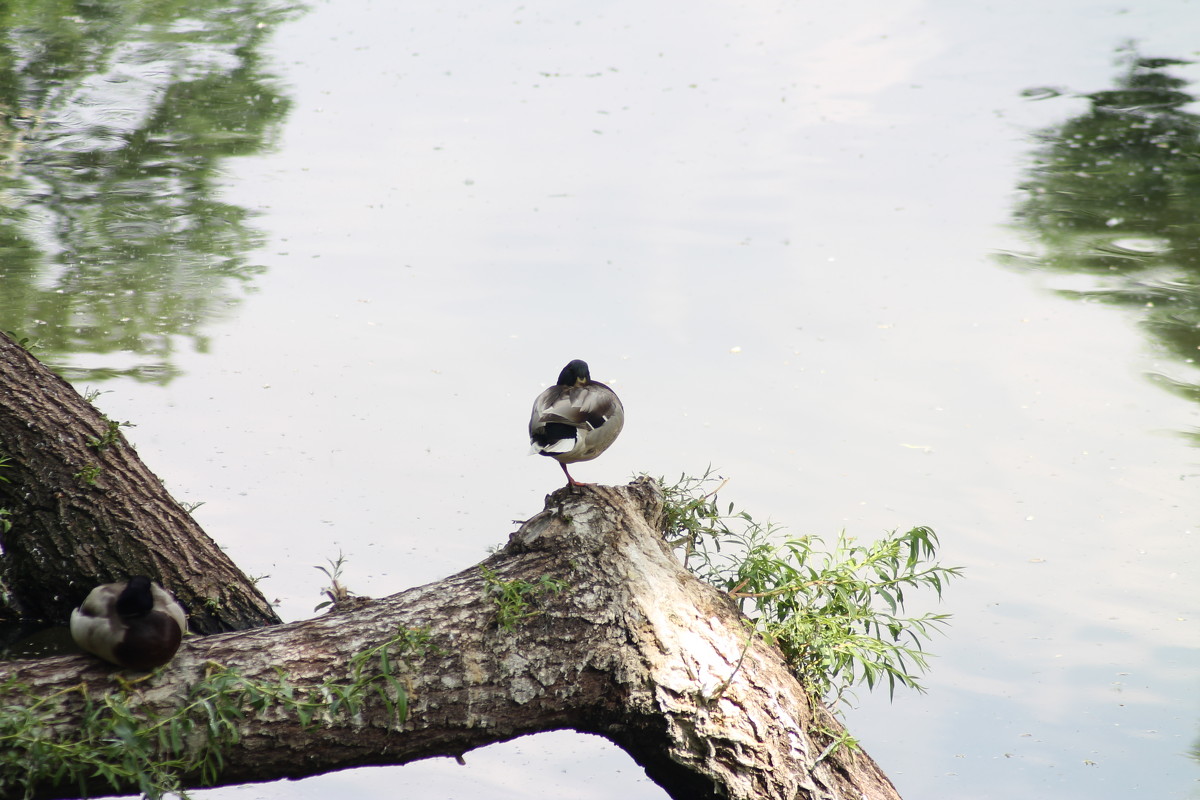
pixel 634 649
pixel 85 513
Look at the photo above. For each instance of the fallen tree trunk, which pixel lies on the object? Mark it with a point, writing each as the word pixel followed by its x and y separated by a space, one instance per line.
pixel 584 621
pixel 82 509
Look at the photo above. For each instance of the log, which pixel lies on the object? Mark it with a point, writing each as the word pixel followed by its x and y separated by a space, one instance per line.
pixel 614 638
pixel 84 510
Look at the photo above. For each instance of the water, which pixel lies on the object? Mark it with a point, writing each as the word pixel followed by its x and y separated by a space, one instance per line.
pixel 325 258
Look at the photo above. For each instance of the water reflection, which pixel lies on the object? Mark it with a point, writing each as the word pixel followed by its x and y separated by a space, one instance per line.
pixel 1114 195
pixel 114 117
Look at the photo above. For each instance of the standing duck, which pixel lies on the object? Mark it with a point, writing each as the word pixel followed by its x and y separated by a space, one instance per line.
pixel 576 419
pixel 135 624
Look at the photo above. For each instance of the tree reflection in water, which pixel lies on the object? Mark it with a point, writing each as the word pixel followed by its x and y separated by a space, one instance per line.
pixel 114 118
pixel 1114 194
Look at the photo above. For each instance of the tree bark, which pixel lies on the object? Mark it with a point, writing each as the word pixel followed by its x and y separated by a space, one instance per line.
pixel 632 648
pixel 85 510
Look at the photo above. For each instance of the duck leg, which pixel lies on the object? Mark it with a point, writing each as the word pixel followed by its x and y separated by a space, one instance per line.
pixel 571 481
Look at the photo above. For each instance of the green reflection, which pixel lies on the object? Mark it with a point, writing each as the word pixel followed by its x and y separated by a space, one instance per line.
pixel 1114 195
pixel 114 118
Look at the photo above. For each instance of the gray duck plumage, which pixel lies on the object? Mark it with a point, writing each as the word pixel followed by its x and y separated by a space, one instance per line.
pixel 135 624
pixel 577 419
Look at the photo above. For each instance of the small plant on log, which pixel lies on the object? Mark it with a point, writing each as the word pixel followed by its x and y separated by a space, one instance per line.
pixel 109 437
pixel 88 474
pixel 837 613
pixel 516 600
pixel 336 591
pixel 120 743
pixel 25 342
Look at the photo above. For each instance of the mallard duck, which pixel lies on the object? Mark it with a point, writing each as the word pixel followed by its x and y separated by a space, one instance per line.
pixel 135 624
pixel 576 419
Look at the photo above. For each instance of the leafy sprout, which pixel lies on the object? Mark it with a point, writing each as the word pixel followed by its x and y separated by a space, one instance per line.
pixel 120 742
pixel 517 600
pixel 836 612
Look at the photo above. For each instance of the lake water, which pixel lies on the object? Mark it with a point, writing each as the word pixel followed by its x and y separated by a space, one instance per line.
pixel 324 257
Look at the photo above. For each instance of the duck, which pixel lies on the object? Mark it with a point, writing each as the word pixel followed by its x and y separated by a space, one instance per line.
pixel 135 624
pixel 576 419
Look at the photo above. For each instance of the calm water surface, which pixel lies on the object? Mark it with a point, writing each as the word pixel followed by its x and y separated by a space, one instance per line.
pixel 883 265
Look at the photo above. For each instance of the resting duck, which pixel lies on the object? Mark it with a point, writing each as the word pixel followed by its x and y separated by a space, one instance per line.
pixel 135 624
pixel 576 419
